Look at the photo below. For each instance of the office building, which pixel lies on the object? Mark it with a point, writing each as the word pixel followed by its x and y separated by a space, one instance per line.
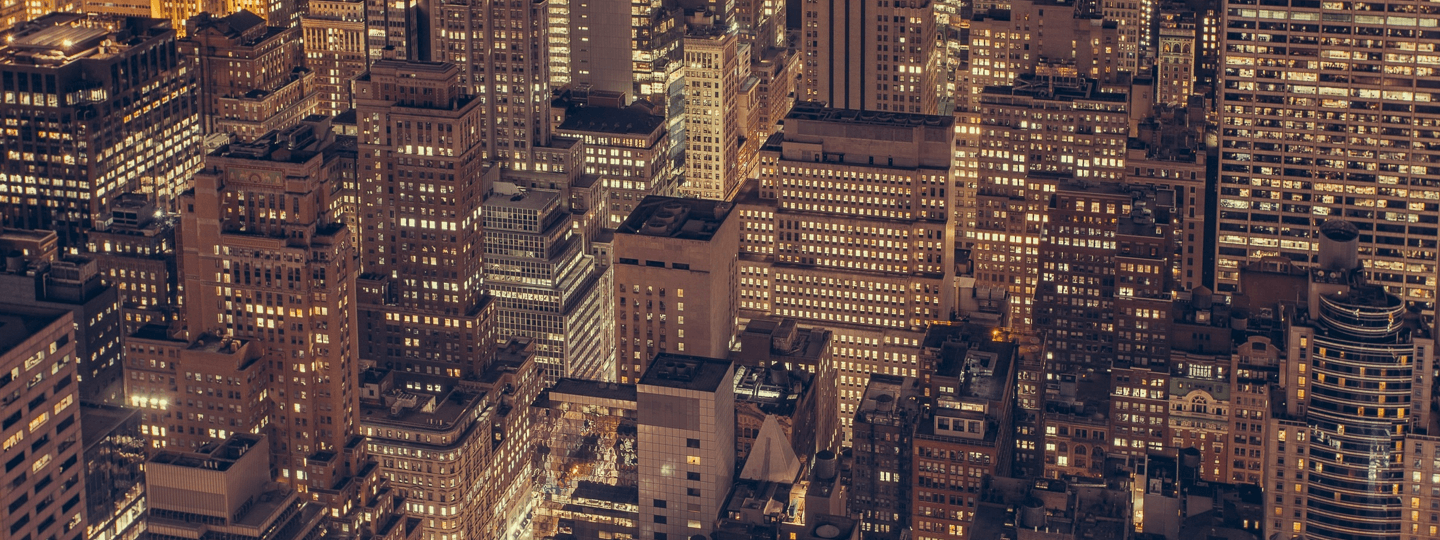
pixel 510 86
pixel 686 426
pixel 848 229
pixel 1274 196
pixel 880 483
pixel 626 147
pixel 71 283
pixel 154 151
pixel 135 251
pixel 1175 55
pixel 887 57
pixel 253 78
pixel 671 252
pixel 968 434
pixel 777 419
pixel 225 488
pixel 43 494
pixel 1032 37
pixel 1082 136
pixel 161 376
pixel 336 50
pixel 1350 431
pixel 716 64
pixel 1168 150
pixel 432 436
pixel 546 285
pixel 114 472
pixel 423 179
pixel 397 30
pixel 268 260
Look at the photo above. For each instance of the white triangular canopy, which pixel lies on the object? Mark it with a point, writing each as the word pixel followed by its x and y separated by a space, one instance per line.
pixel 771 459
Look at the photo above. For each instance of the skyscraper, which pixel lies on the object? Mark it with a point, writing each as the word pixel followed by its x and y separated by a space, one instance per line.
pixel 848 228
pixel 671 252
pixel 37 366
pixel 253 79
pixel 868 56
pixel 1040 125
pixel 686 438
pixel 501 56
pixel 268 259
pixel 1318 145
pixel 336 49
pixel 1353 440
pixel 716 63
pixel 106 131
pixel 423 179
pixel 546 284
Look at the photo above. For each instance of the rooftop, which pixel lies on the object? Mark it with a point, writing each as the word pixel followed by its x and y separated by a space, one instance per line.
pixel 19 323
pixel 888 399
pixel 631 120
pixel 810 110
pixel 969 354
pixel 60 39
pixel 686 372
pixel 217 456
pixel 673 217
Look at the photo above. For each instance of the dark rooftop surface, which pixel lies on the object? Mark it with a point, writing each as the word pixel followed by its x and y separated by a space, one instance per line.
pixel 586 388
pixel 19 323
pixel 809 110
pixel 967 353
pixel 631 120
pixel 686 372
pixel 98 420
pixel 673 217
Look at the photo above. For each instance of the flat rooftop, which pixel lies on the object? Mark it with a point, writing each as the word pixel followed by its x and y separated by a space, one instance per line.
pixel 818 112
pixel 686 372
pixel 631 120
pixel 674 217
pixel 60 39
pixel 969 354
pixel 592 389
pixel 215 456
pixel 19 323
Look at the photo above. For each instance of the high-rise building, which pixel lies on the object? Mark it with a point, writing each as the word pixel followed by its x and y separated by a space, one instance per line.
pixel 423 179
pixel 1168 150
pixel 397 30
pixel 1081 134
pixel 114 472
pixel 848 229
pixel 1350 454
pixel 336 50
pixel 268 259
pixel 781 343
pixel 1275 195
pixel 686 439
pixel 43 494
pixel 1038 36
pixel 71 283
pixel 969 375
pixel 65 96
pixel 762 22
pixel 135 250
pixel 627 147
pixel 501 56
pixel 1175 55
pixel 436 438
pixel 671 252
pixel 253 78
pixel 885 57
pixel 880 482
pixel 546 284
pixel 716 63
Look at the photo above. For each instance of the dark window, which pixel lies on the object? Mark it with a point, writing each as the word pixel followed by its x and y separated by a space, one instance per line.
pixel 660 519
pixel 660 503
pixel 692 476
pixel 692 443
